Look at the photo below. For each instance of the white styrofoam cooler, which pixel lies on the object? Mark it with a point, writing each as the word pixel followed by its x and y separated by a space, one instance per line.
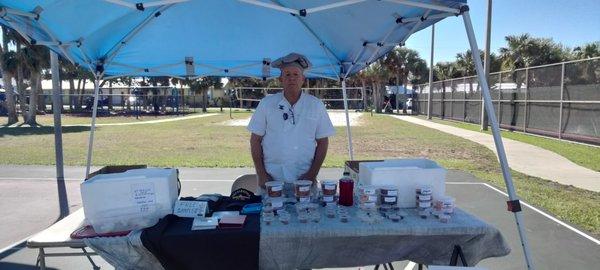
pixel 406 175
pixel 131 200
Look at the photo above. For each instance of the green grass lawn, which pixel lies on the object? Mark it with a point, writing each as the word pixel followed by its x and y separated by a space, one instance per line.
pixel 583 155
pixel 206 142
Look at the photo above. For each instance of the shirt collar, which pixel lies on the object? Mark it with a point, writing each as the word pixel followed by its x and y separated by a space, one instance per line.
pixel 286 104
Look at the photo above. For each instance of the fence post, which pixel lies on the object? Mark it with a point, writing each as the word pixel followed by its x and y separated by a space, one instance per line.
pixel 562 91
pixel 464 99
pixel 451 99
pixel 526 98
pixel 499 99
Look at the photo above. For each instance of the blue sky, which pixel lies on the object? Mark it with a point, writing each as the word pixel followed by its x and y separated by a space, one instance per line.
pixel 571 23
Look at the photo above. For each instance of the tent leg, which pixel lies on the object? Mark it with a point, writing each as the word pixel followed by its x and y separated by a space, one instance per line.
pixel 514 204
pixel 58 145
pixel 348 132
pixel 93 127
pixel 429 93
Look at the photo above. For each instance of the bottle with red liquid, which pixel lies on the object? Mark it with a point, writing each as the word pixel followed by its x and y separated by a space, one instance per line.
pixel 346 190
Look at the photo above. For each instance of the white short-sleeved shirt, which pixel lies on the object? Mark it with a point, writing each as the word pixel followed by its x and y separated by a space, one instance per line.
pixel 289 144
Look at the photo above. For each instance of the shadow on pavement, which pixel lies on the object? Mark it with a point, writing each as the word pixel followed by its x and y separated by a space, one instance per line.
pixel 18 266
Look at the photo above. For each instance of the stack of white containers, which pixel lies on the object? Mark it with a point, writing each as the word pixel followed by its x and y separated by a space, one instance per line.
pixel 407 175
pixel 131 200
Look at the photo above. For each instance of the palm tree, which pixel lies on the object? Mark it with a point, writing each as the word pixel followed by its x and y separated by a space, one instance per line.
pixel 404 63
pixel 588 50
pixel 585 72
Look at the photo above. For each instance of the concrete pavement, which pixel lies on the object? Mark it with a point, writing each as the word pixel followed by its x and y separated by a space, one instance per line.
pixel 525 158
pixel 29 198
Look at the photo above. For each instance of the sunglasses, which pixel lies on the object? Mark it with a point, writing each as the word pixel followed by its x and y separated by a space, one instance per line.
pixel 286 116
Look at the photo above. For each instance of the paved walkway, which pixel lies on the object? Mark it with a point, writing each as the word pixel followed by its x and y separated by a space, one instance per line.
pixel 525 158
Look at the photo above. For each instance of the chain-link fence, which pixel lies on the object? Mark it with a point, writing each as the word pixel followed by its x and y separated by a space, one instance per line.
pixel 559 100
pixel 248 97
pixel 134 100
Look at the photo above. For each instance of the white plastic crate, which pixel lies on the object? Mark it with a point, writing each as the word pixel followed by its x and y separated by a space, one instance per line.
pixel 406 175
pixel 131 200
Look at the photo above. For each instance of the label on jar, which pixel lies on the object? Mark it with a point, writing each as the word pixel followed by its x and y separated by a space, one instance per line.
pixel 303 199
pixel 277 204
pixel 425 204
pixel 304 188
pixel 424 197
pixel 369 204
pixel 329 187
pixel 392 193
pixel 276 188
pixel 369 191
pixel 328 198
pixel 389 199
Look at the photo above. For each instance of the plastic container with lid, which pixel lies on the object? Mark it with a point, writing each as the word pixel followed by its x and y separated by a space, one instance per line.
pixel 131 200
pixel 367 190
pixel 364 198
pixel 329 187
pixel 388 191
pixel 302 188
pixel 275 203
pixel 328 199
pixel 303 199
pixel 274 188
pixel 389 200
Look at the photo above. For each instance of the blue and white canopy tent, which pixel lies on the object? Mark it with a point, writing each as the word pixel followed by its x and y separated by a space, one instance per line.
pixel 190 39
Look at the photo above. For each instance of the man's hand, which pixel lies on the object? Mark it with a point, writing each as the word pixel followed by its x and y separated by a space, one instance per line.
pixel 263 178
pixel 308 176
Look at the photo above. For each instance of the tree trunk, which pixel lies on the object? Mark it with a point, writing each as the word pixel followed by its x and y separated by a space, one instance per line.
pixel 21 90
pixel 376 98
pixel 41 98
pixel 33 96
pixel 82 93
pixel 204 101
pixel 10 99
pixel 398 93
pixel 11 107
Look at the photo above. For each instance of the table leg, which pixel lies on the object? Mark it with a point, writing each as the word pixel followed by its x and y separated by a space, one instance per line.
pixel 94 266
pixel 457 253
pixel 42 259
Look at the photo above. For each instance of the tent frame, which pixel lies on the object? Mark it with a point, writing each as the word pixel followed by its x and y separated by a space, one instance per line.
pixel 98 69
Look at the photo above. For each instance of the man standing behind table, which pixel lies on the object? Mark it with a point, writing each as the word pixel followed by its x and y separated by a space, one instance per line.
pixel 289 129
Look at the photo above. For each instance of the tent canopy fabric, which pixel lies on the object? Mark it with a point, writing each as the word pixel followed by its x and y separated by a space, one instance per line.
pixel 228 38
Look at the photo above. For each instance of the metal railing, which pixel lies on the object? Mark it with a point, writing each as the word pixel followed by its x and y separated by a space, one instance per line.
pixel 560 100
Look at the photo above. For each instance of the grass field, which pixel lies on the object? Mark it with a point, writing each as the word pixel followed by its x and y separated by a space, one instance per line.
pixel 205 142
pixel 583 155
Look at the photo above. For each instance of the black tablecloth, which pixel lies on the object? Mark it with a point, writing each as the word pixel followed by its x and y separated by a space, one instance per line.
pixel 176 246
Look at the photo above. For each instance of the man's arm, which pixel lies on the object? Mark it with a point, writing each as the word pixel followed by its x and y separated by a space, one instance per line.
pixel 320 154
pixel 257 157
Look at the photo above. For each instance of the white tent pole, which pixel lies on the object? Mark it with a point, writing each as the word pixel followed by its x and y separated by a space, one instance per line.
pixel 93 127
pixel 348 132
pixel 429 93
pixel 514 204
pixel 63 202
